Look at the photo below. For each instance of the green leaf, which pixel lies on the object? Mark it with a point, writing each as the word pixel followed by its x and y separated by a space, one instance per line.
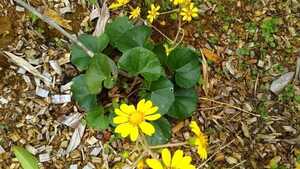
pixel 117 27
pixel 27 160
pixel 82 94
pixel 184 62
pixel 160 52
pixel 162 132
pixel 100 69
pixel 96 119
pixel 96 44
pixel 141 61
pixel 162 94
pixel 134 37
pixel 185 103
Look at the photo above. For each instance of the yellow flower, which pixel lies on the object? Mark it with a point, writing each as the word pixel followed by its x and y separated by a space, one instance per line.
pixel 153 13
pixel 201 140
pixel 118 4
pixel 178 2
pixel 177 162
pixel 189 12
pixel 135 13
pixel 140 165
pixel 130 119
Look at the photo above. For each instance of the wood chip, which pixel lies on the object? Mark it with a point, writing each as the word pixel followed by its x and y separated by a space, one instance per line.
pixel 41 92
pixel 44 157
pixel 60 99
pixel 211 55
pixel 76 138
pixel 92 140
pixel 245 130
pixel 27 66
pixel 73 166
pixel 2 150
pixel 31 149
pixel 96 151
pixel 56 67
pixel 89 166
pixel 72 120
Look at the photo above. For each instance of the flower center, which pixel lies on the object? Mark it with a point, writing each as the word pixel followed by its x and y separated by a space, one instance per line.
pixel 136 118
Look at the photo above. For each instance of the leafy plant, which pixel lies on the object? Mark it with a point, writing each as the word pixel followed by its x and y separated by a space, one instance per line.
pixel 168 81
pixel 27 160
pixel 268 27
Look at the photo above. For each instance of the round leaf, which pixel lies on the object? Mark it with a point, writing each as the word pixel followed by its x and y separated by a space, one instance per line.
pixel 185 103
pixel 134 37
pixel 117 27
pixel 27 160
pixel 162 94
pixel 96 44
pixel 184 62
pixel 81 93
pixel 96 119
pixel 141 61
pixel 100 69
pixel 162 132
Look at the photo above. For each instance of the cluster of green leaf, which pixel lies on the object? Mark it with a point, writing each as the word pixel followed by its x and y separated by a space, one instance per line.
pixel 269 26
pixel 167 80
pixel 289 94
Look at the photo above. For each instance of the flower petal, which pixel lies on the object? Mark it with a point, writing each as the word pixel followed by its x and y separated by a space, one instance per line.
pixel 120 119
pixel 120 113
pixel 147 128
pixel 128 109
pixel 166 157
pixel 202 152
pixel 177 158
pixel 134 133
pixel 151 110
pixel 123 129
pixel 186 160
pixel 154 164
pixel 141 104
pixel 152 117
pixel 195 128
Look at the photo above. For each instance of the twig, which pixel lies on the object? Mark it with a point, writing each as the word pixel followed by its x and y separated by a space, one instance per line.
pixel 210 157
pixel 55 25
pixel 168 145
pixel 229 105
pixel 238 164
pixel 171 11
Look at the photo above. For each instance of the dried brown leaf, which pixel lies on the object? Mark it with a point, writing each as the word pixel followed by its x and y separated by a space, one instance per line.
pixel 57 18
pixel 211 55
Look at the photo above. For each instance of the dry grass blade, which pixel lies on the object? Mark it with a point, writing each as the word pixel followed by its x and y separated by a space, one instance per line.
pixel 102 20
pixel 205 85
pixel 27 66
pixel 76 138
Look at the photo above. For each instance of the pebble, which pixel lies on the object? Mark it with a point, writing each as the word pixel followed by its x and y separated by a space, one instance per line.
pixel 279 84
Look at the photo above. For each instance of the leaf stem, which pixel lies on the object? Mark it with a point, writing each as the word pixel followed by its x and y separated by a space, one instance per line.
pixel 171 11
pixel 169 145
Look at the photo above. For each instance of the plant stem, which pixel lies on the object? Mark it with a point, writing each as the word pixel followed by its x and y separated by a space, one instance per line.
pixel 229 105
pixel 169 145
pixel 171 11
pixel 55 25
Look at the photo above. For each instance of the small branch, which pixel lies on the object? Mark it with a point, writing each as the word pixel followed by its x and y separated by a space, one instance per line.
pixel 54 25
pixel 168 145
pixel 229 105
pixel 171 11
